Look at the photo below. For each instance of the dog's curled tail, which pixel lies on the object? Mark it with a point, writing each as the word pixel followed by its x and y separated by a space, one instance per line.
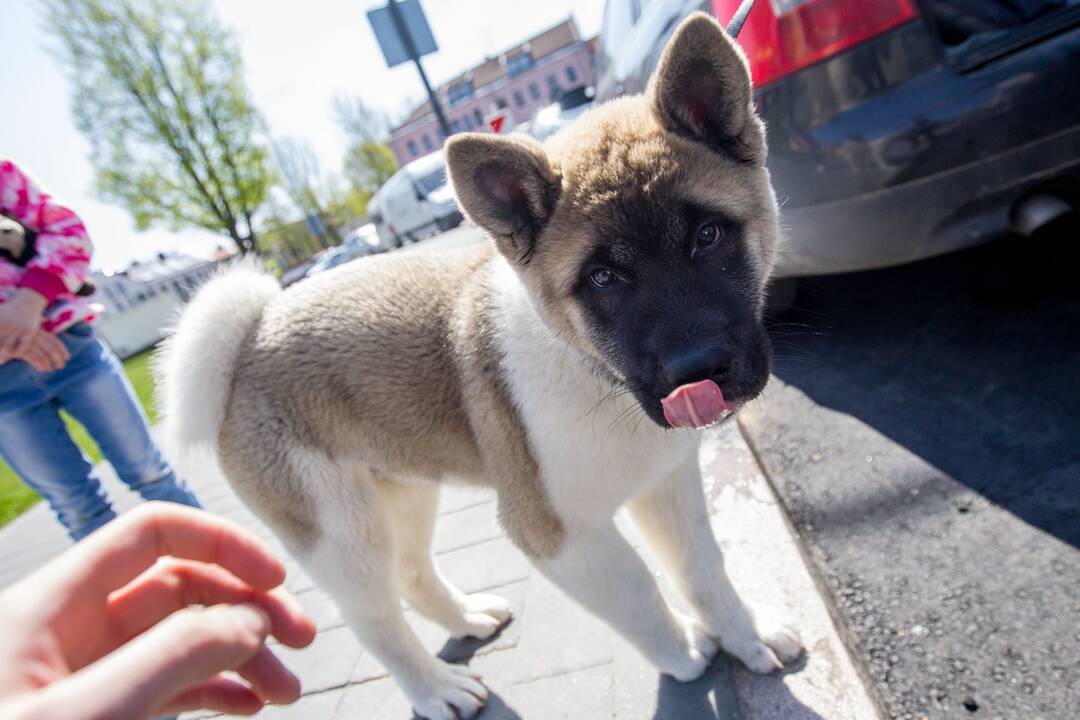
pixel 195 369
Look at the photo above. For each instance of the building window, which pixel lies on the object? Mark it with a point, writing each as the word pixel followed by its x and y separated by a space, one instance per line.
pixel 412 148
pixel 479 116
pixel 459 92
pixel 455 125
pixel 534 91
pixel 500 103
pixel 468 121
pixel 428 145
pixel 519 99
pixel 571 74
pixel 553 87
pixel 518 64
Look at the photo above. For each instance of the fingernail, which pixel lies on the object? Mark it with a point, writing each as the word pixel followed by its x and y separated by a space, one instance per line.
pixel 252 617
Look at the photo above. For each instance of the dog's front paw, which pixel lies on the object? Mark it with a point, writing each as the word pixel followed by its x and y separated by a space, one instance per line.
pixel 455 693
pixel 484 615
pixel 691 658
pixel 767 651
pixel 784 642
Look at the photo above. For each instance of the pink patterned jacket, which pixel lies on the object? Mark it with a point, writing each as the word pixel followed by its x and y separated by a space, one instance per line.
pixel 59 266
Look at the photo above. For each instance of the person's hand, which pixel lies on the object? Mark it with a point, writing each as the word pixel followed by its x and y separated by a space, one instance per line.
pixel 20 320
pixel 107 630
pixel 45 352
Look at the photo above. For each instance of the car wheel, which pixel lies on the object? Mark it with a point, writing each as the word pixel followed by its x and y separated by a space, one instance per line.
pixel 780 296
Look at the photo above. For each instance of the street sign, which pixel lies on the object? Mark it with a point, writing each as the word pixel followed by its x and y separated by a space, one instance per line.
pixel 403 34
pixel 393 47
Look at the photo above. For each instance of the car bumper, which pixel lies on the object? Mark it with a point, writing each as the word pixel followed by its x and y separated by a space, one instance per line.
pixel 884 154
pixel 930 216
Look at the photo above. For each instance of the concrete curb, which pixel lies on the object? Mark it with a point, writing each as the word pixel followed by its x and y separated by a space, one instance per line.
pixel 765 561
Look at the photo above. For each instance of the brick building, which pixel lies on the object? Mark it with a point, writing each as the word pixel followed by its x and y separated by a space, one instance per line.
pixel 522 79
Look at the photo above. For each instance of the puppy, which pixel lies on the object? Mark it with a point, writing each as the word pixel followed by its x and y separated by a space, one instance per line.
pixel 619 297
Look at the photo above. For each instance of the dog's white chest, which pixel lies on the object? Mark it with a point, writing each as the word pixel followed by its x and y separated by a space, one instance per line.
pixel 594 445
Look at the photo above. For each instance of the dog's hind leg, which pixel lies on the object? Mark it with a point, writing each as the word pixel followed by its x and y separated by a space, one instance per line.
pixel 412 508
pixel 674 519
pixel 354 561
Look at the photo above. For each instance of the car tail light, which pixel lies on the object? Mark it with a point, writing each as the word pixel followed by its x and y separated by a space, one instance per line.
pixel 782 36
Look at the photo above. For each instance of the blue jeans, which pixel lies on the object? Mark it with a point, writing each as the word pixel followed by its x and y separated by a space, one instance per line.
pixel 92 387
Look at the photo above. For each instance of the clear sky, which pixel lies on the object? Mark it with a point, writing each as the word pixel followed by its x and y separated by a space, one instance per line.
pixel 298 55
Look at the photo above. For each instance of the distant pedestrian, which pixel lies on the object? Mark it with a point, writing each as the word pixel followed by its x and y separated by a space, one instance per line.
pixel 51 359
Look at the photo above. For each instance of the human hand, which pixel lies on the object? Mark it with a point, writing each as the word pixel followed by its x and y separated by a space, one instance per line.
pixel 45 352
pixel 108 630
pixel 20 320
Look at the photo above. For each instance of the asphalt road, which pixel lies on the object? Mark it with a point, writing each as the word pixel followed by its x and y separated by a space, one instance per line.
pixel 924 434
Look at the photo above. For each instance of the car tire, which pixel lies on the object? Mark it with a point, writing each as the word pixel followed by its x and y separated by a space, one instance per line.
pixel 780 296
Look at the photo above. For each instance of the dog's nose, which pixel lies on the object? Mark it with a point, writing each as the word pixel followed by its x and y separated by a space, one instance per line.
pixel 702 363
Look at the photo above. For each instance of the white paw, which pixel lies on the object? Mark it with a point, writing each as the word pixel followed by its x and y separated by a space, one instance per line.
pixel 784 642
pixel 484 615
pixel 765 652
pixel 455 694
pixel 692 657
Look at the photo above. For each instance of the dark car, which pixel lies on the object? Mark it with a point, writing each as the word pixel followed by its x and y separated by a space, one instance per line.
pixel 898 129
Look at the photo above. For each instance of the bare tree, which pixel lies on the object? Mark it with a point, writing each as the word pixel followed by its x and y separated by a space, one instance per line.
pixel 303 181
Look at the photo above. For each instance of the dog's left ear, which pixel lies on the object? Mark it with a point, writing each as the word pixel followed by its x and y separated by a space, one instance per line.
pixel 504 184
pixel 701 88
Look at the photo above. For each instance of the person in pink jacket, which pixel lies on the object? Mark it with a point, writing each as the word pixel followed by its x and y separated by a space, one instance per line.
pixel 51 359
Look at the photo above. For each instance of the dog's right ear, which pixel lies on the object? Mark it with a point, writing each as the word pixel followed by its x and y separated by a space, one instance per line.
pixel 504 184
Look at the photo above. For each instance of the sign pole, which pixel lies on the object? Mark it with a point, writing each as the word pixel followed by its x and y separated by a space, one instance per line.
pixel 407 41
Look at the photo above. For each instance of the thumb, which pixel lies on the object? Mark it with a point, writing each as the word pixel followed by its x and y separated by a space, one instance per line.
pixel 186 648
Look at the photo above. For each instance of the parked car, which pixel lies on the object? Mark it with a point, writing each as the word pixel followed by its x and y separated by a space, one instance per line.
pixel 364 240
pixel 898 129
pixel 329 259
pixel 548 120
pixel 415 202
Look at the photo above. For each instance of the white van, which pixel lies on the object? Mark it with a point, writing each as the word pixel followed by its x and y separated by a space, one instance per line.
pixel 415 203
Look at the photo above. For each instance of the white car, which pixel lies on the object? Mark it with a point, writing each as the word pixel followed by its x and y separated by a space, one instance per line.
pixel 415 203
pixel 329 259
pixel 364 240
pixel 549 119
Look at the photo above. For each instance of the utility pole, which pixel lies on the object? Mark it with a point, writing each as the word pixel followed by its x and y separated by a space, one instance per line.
pixel 410 48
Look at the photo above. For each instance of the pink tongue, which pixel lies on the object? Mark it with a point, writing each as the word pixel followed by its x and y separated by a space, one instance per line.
pixel 695 405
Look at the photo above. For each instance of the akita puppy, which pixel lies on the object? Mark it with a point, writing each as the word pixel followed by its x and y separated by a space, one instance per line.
pixel 566 363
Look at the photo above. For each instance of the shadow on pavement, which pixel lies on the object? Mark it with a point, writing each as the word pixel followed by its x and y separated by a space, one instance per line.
pixel 712 696
pixel 970 361
pixel 462 651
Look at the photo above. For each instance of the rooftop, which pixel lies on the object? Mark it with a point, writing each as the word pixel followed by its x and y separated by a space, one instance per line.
pixel 494 68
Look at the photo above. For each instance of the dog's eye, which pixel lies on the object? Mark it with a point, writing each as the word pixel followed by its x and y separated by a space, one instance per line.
pixel 708 235
pixel 603 278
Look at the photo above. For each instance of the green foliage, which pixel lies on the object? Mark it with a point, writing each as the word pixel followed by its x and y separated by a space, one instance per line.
pixel 369 161
pixel 369 164
pixel 159 93
pixel 288 239
pixel 349 203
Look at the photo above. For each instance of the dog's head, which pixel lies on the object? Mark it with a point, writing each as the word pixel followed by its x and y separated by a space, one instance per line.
pixel 645 231
pixel 12 239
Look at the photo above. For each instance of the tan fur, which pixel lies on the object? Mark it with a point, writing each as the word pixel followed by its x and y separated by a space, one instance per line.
pixel 388 363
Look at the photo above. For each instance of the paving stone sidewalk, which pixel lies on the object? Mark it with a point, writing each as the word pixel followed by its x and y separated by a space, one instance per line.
pixel 553 660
